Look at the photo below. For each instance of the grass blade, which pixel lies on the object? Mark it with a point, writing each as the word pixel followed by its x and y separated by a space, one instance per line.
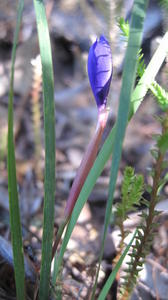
pixel 15 224
pixel 113 274
pixel 49 128
pixel 106 151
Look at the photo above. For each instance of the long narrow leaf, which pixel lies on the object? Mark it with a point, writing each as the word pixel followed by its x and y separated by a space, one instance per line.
pixel 106 151
pixel 113 274
pixel 15 223
pixel 49 128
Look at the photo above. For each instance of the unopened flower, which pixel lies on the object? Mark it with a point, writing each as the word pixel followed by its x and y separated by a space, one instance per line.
pixel 100 74
pixel 100 70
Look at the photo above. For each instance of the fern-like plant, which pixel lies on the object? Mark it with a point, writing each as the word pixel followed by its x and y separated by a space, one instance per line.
pixel 130 193
pixel 160 95
pixel 132 189
pixel 145 232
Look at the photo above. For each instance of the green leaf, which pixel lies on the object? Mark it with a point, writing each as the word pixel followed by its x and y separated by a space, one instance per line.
pixel 145 202
pixel 164 4
pixel 164 181
pixel 164 164
pixel 163 143
pixel 148 188
pixel 160 94
pixel 106 151
pixel 49 128
pixel 113 274
pixel 131 190
pixel 15 223
pixel 124 26
pixel 154 153
pixel 141 64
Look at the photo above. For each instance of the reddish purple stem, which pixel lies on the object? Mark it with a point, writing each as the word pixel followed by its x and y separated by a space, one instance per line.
pixel 82 173
pixel 87 163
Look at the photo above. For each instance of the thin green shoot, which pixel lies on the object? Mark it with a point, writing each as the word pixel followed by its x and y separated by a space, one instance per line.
pixel 15 223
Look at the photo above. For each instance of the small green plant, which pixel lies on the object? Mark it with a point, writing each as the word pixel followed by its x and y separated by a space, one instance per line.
pixel 131 192
pixel 132 188
pixel 145 233
pixel 133 185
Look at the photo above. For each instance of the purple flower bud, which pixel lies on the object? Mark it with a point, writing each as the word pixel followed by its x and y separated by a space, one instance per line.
pixel 100 70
